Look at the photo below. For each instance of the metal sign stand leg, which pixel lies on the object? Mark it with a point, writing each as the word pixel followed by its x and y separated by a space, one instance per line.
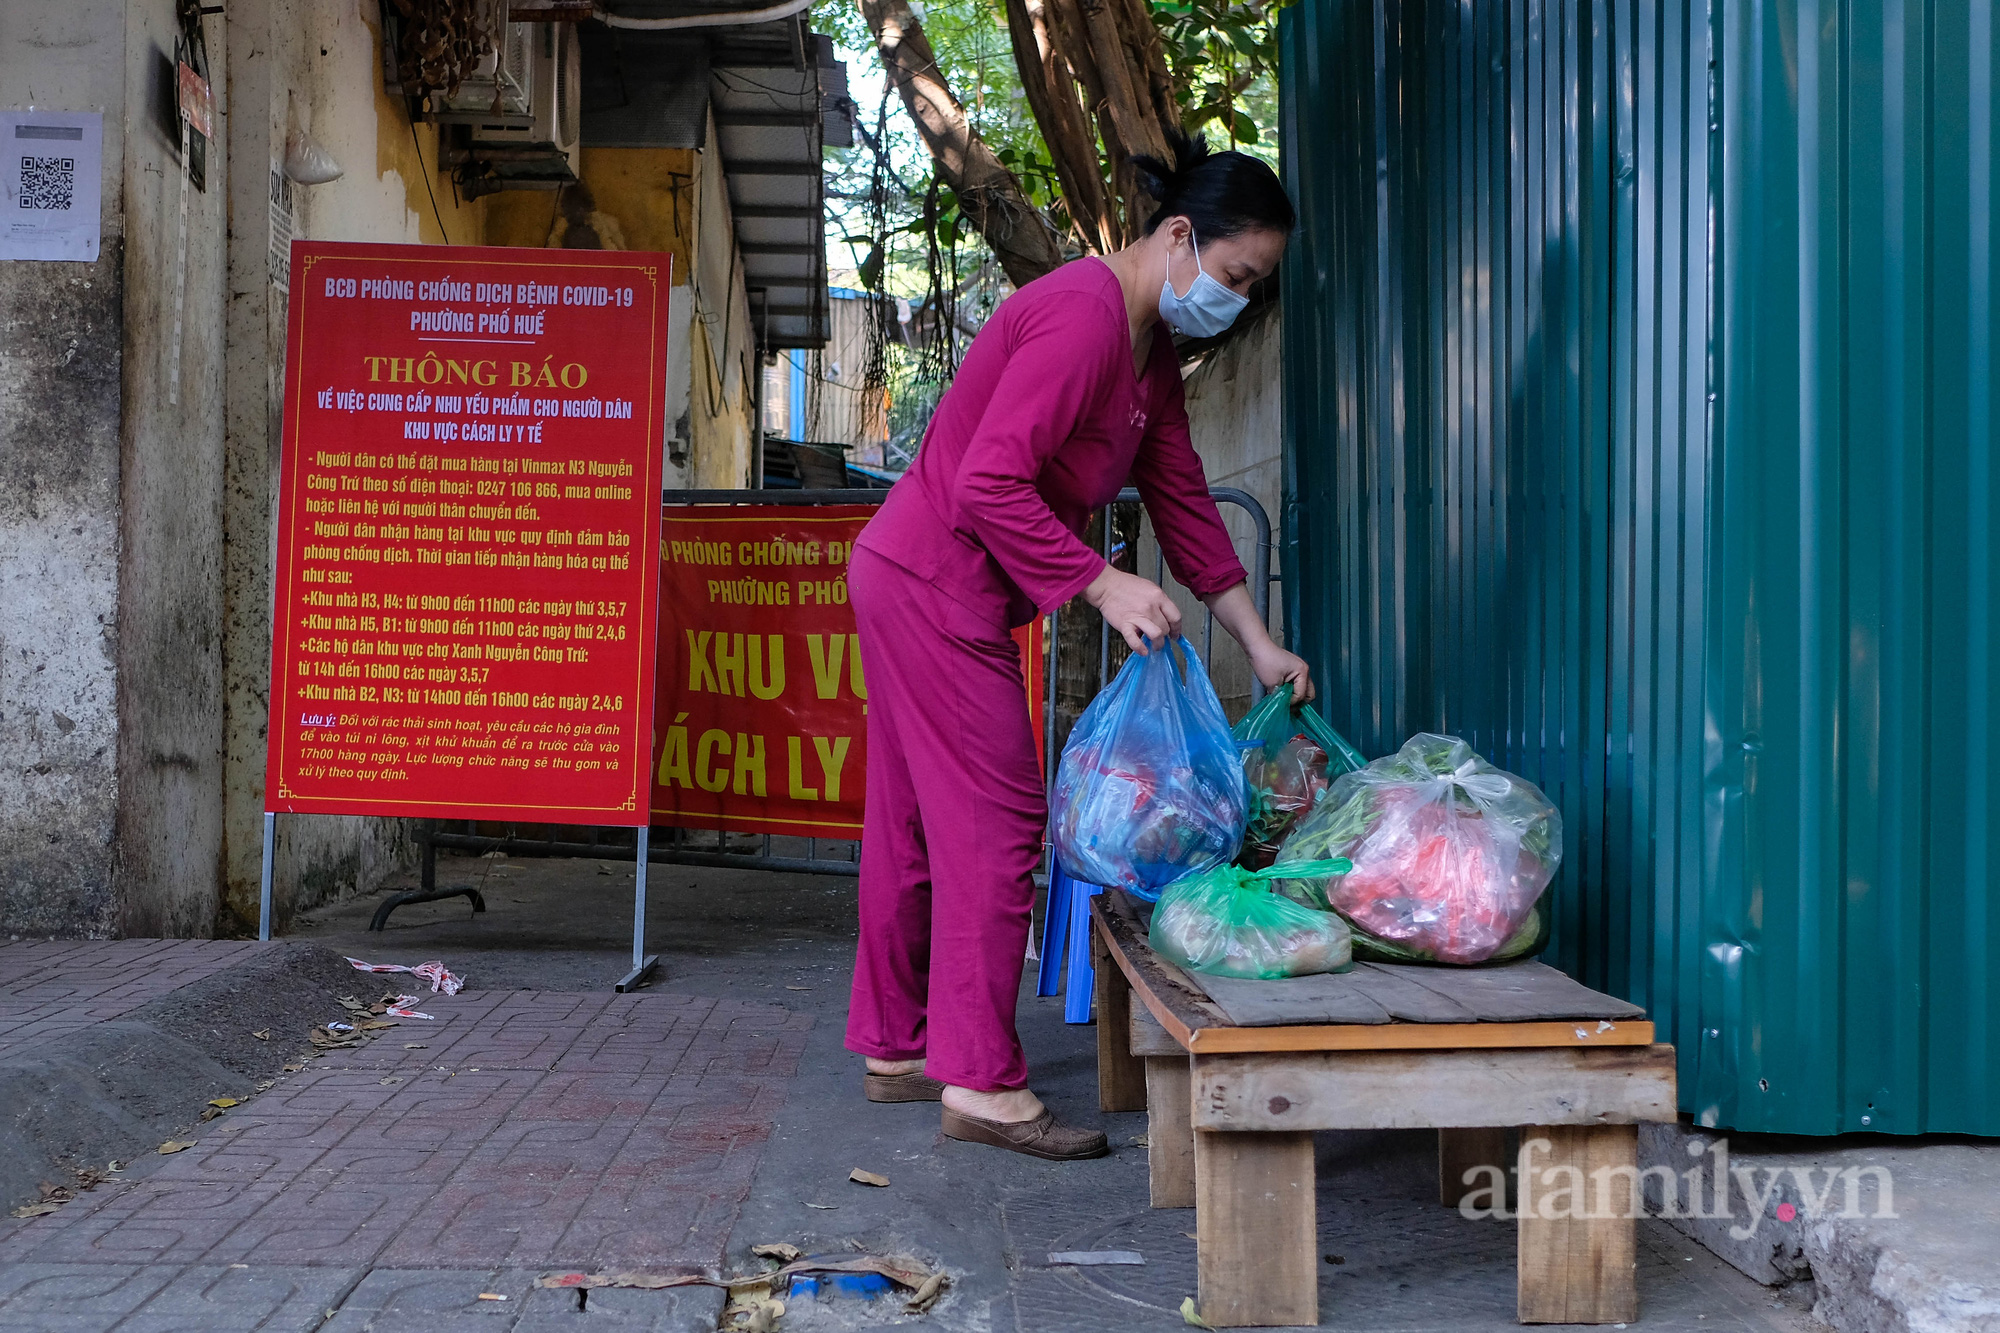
pixel 643 963
pixel 264 896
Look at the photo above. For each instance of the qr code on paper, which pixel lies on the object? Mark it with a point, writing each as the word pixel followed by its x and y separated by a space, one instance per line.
pixel 48 182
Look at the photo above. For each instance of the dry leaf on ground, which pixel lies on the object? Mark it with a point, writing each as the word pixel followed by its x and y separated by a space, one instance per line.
pixel 177 1145
pixel 225 1102
pixel 860 1177
pixel 36 1209
pixel 752 1309
pixel 927 1295
pixel 778 1250
pixel 265 1035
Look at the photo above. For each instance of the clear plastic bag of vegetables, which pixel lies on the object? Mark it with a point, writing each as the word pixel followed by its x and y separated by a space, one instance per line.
pixel 1227 922
pixel 1290 758
pixel 1149 788
pixel 1451 856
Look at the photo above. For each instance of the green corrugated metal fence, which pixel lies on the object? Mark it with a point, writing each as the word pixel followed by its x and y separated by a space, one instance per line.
pixel 1638 367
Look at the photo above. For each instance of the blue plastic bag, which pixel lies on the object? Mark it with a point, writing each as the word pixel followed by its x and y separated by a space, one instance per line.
pixel 1150 787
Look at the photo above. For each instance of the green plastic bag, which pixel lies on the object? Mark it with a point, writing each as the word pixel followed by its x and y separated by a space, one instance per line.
pixel 1227 922
pixel 1290 758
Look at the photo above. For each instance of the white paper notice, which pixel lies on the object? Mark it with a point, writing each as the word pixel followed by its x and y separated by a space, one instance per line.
pixel 50 163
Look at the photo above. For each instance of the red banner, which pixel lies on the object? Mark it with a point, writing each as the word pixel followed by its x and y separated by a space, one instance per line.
pixel 762 705
pixel 466 600
pixel 762 712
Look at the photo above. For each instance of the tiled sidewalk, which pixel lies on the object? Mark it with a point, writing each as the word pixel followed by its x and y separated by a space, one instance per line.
pixel 527 1132
pixel 48 990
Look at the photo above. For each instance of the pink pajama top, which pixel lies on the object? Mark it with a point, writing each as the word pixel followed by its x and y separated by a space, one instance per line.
pixel 1043 425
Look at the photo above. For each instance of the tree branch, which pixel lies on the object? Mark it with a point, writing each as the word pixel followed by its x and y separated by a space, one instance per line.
pixel 989 195
pixel 1050 87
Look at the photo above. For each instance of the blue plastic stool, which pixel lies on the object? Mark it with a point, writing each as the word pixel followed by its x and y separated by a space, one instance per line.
pixel 1066 930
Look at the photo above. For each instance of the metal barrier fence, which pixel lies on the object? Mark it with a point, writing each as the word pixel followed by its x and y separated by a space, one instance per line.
pixel 678 846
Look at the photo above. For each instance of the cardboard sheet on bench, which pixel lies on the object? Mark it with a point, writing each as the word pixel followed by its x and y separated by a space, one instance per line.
pixel 1391 992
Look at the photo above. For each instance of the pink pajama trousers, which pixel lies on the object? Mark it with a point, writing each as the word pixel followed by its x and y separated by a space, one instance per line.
pixel 952 833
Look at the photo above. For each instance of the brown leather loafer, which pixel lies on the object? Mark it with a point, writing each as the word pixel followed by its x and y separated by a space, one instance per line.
pixel 1041 1137
pixel 915 1086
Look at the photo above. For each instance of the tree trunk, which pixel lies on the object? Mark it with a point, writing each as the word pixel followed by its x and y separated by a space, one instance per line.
pixel 988 193
pixel 1050 87
pixel 1109 56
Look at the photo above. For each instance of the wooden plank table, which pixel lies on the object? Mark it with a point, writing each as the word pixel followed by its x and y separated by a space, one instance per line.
pixel 1236 1075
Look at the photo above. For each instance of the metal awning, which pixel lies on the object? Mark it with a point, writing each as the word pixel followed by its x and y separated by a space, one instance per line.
pixel 779 96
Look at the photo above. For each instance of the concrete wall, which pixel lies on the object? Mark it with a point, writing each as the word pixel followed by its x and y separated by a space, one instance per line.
pixel 720 340
pixel 1235 417
pixel 61 356
pixel 296 65
pixel 137 514
pixel 171 540
pixel 110 692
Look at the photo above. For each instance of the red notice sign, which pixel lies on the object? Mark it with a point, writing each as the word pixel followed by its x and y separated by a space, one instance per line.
pixel 762 706
pixel 761 723
pixel 466 596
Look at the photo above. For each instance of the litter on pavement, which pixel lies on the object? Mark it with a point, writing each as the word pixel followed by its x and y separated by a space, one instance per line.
pixel 1094 1258
pixel 435 972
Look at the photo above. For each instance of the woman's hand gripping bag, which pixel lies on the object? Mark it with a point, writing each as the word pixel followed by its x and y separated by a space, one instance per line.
pixel 1227 922
pixel 1150 787
pixel 1451 856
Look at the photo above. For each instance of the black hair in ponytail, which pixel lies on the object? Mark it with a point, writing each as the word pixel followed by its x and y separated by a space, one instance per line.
pixel 1222 194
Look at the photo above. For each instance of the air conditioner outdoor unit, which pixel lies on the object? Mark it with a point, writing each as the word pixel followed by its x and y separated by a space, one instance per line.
pixel 538 149
pixel 500 91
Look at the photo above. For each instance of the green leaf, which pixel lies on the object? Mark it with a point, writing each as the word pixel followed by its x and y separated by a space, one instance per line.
pixel 1244 128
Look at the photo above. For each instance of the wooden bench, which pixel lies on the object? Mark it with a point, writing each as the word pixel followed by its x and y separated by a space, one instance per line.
pixel 1236 1075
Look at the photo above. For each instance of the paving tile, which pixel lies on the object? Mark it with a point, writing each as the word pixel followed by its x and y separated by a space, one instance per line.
pixel 235 1159
pixel 663 1228
pixel 84 1295
pixel 410 1167
pixel 548 1152
pixel 269 1298
pixel 500 1222
pixel 401 1301
pixel 587 1095
pixel 155 1222
pixel 534 1130
pixel 318 1221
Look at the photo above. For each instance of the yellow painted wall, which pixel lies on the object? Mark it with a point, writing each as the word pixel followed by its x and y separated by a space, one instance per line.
pixel 653 195
pixel 719 416
pixel 464 221
pixel 650 191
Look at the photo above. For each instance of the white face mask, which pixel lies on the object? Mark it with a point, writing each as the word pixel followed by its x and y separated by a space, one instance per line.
pixel 1207 309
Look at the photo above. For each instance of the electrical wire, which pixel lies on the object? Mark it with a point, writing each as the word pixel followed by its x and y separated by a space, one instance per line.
pixel 425 172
